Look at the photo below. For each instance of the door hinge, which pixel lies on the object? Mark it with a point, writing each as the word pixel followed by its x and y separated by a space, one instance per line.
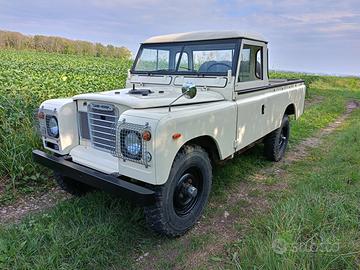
pixel 235 144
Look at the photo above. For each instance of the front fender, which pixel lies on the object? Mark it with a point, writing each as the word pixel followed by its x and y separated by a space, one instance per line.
pixel 64 109
pixel 216 120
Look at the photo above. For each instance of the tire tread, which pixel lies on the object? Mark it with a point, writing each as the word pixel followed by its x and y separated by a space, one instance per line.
pixel 271 146
pixel 155 218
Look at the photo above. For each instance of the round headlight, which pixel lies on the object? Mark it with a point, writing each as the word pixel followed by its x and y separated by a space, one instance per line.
pixel 133 143
pixel 53 127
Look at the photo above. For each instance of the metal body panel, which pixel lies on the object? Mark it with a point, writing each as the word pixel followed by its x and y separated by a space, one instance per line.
pixel 261 112
pixel 95 158
pixel 160 97
pixel 65 112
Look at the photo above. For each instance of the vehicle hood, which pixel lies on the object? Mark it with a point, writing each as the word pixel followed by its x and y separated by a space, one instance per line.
pixel 158 98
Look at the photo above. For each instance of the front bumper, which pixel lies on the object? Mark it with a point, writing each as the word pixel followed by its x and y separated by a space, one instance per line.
pixel 109 183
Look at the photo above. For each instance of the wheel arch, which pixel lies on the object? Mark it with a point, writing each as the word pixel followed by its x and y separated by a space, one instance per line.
pixel 208 143
pixel 290 110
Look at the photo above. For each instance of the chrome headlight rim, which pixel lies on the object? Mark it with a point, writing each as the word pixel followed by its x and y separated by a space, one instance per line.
pixel 52 126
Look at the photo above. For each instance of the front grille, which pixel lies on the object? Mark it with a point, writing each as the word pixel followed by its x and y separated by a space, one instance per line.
pixel 102 120
pixel 84 125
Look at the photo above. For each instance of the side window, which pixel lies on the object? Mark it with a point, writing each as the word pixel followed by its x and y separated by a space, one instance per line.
pixel 184 62
pixel 244 73
pixel 251 64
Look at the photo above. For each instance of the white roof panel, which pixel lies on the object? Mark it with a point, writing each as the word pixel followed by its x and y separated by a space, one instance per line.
pixel 209 35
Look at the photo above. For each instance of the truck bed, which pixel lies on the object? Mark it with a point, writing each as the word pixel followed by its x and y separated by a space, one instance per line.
pixel 281 82
pixel 272 84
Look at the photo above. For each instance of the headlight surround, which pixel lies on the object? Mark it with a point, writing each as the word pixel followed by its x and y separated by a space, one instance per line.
pixel 52 126
pixel 131 144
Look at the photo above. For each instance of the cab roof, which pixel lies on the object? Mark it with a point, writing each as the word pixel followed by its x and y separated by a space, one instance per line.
pixel 207 35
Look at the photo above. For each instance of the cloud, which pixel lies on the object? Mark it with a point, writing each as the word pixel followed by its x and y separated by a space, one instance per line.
pixel 297 30
pixel 323 17
pixel 341 28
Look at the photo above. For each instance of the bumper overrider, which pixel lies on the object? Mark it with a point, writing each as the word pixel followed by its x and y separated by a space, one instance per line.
pixel 109 183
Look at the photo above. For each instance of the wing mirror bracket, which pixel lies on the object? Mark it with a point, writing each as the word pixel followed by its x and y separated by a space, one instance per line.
pixel 188 90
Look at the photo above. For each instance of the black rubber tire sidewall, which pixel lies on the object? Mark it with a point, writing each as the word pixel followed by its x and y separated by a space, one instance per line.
pixel 192 160
pixel 161 216
pixel 272 149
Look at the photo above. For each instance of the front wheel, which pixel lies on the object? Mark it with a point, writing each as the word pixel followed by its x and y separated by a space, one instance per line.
pixel 276 142
pixel 181 201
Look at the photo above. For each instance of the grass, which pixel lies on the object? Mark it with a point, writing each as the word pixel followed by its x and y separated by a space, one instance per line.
pixel 91 232
pixel 316 226
pixel 99 231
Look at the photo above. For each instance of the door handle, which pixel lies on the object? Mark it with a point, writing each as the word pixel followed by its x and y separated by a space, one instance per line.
pixel 263 109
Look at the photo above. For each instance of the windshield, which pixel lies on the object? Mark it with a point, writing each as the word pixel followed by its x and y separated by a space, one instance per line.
pixel 206 57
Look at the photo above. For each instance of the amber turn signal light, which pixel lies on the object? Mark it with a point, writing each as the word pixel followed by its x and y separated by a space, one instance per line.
pixel 146 135
pixel 176 136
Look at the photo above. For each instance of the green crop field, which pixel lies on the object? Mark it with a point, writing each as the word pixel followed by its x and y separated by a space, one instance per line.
pixel 27 79
pixel 97 231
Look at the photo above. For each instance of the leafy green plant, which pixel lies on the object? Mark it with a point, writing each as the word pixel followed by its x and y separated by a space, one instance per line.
pixel 26 80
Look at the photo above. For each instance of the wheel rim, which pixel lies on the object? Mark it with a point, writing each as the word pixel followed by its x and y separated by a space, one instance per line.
pixel 187 192
pixel 283 137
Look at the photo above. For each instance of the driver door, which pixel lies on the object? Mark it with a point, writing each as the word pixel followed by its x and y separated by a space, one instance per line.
pixel 251 100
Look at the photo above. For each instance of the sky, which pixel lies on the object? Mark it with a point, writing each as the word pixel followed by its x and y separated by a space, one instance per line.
pixel 320 36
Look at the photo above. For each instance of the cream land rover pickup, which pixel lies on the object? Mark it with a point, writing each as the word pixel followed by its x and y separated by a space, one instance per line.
pixel 191 99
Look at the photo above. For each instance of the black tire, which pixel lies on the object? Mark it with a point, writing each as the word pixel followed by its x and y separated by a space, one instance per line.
pixel 276 142
pixel 71 186
pixel 177 207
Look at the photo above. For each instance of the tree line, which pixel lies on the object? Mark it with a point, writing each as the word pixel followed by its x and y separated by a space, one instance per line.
pixel 18 41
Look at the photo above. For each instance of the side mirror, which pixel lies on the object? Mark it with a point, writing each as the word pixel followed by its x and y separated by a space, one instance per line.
pixel 189 90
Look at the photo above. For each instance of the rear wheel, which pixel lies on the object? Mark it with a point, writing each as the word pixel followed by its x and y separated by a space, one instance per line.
pixel 71 186
pixel 276 142
pixel 181 201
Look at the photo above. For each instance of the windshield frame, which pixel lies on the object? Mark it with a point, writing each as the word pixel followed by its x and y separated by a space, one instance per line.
pixel 236 41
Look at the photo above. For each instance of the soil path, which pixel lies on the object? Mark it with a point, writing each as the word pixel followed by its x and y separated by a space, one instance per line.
pixel 30 204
